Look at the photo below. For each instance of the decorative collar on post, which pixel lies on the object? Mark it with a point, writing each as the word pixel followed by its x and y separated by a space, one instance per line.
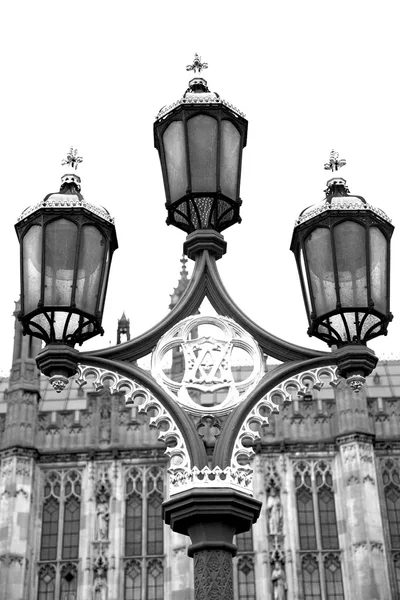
pixel 200 139
pixel 66 250
pixel 342 249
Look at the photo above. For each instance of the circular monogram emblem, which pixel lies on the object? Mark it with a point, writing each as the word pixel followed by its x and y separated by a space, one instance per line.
pixel 207 363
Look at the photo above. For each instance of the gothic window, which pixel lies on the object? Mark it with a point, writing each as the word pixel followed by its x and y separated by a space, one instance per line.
pixel 318 536
pixel 244 541
pixel 333 577
pixel 396 563
pixel 311 577
pixel 47 582
pixel 391 486
pixel 246 579
pixel 58 576
pixel 155 584
pixel 133 580
pixel 69 582
pixel 144 534
pixel 244 576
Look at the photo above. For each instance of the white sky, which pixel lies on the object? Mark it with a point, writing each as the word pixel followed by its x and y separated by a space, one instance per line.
pixel 310 76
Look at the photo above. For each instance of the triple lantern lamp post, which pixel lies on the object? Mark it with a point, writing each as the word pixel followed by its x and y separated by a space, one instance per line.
pixel 341 246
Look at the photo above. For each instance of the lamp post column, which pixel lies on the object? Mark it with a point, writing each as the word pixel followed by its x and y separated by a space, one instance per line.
pixel 211 517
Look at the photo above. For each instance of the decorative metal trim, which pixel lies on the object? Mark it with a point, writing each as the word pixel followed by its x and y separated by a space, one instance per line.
pixel 335 163
pixel 301 382
pixel 208 98
pixel 169 434
pixel 72 159
pixel 169 431
pixel 187 479
pixel 348 202
pixel 58 200
pixel 133 391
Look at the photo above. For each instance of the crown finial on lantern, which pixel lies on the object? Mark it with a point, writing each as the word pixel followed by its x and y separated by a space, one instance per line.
pixel 197 66
pixel 72 159
pixel 335 163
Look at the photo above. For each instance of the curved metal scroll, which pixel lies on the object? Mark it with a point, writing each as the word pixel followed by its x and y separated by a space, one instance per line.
pixel 184 446
pixel 206 281
pixel 282 393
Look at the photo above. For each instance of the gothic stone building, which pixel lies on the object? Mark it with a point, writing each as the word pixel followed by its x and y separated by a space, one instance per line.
pixel 83 478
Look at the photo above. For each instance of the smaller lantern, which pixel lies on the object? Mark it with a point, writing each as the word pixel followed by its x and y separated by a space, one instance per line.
pixel 66 250
pixel 200 139
pixel 342 250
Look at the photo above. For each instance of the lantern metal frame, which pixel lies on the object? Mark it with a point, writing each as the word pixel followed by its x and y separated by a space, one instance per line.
pixel 331 218
pixel 224 211
pixel 81 217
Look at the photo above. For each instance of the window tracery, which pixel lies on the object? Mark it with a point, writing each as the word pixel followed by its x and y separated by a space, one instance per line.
pixel 391 487
pixel 58 576
pixel 318 535
pixel 244 573
pixel 246 578
pixel 144 533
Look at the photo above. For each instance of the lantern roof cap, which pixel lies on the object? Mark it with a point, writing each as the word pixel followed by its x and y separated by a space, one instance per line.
pixel 338 196
pixel 69 195
pixel 197 93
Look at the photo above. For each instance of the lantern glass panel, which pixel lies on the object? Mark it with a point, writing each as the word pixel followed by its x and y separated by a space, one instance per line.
pixel 230 149
pixel 203 144
pixel 32 271
pixel 65 324
pixel 60 252
pixel 318 249
pixel 91 255
pixel 351 259
pixel 378 259
pixel 305 282
pixel 105 279
pixel 175 156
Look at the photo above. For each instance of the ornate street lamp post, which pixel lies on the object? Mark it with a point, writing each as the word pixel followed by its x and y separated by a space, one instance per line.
pixel 342 252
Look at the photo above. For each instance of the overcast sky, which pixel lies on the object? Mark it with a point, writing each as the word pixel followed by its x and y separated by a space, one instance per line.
pixel 310 76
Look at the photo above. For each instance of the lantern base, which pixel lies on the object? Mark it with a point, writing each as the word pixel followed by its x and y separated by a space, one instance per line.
pixel 204 239
pixel 59 362
pixel 204 210
pixel 354 363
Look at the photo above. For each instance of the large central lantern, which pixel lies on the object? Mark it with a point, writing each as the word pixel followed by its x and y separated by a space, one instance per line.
pixel 200 140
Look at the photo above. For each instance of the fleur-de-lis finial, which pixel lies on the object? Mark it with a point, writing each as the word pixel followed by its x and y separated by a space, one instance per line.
pixel 197 66
pixel 335 163
pixel 72 159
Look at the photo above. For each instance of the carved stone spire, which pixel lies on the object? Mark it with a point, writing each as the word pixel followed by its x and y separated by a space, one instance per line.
pixel 123 328
pixel 182 284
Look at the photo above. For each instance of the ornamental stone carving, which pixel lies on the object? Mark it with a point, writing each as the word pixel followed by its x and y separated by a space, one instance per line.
pixel 279 585
pixel 100 588
pixel 209 346
pixel 274 511
pixel 103 492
